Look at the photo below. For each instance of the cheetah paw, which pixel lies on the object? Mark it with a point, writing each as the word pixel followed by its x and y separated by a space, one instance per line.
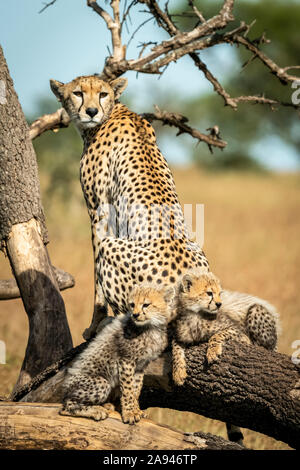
pixel 132 417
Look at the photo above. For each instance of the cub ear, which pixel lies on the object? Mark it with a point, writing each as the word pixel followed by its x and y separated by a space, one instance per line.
pixel 186 283
pixel 57 88
pixel 169 294
pixel 118 85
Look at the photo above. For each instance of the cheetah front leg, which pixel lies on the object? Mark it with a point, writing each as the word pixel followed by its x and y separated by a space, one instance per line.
pixel 130 409
pixel 99 314
pixel 100 304
pixel 216 342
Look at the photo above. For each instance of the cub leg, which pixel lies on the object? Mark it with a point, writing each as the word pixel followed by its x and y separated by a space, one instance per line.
pixel 100 313
pixel 130 409
pixel 86 397
pixel 178 363
pixel 215 343
pixel 99 228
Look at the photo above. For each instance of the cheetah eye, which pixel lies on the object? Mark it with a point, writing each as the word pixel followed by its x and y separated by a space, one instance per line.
pixel 145 305
pixel 209 292
pixel 78 93
pixel 103 94
pixel 131 305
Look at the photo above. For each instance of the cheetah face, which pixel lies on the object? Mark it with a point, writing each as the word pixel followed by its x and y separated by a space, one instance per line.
pixel 88 100
pixel 200 293
pixel 150 305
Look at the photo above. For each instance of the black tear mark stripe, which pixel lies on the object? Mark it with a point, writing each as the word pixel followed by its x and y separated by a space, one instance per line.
pixel 81 104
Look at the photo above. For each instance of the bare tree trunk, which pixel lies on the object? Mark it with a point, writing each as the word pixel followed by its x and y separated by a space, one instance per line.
pixel 23 236
pixel 9 288
pixel 250 387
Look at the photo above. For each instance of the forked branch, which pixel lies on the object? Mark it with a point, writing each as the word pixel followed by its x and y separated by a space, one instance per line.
pixel 205 34
pixel 179 121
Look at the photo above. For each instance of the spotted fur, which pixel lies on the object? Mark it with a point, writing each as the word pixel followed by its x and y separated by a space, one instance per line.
pixel 130 196
pixel 117 357
pixel 205 313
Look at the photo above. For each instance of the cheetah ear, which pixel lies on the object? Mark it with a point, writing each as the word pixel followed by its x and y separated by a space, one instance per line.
pixel 169 294
pixel 57 88
pixel 186 283
pixel 118 85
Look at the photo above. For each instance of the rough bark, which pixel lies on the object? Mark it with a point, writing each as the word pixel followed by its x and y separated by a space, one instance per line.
pixel 9 288
pixel 23 234
pixel 37 426
pixel 19 183
pixel 250 387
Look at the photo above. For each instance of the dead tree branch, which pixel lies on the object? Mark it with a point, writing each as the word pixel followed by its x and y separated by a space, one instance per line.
pixel 207 33
pixel 250 387
pixel 46 5
pixel 179 121
pixel 9 288
pixel 48 122
pixel 114 26
pixel 26 426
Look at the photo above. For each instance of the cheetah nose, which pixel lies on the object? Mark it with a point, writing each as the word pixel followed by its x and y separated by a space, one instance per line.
pixel 91 112
pixel 218 304
pixel 135 315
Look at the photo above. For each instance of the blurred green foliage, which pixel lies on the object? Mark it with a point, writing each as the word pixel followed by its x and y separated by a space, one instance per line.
pixel 250 123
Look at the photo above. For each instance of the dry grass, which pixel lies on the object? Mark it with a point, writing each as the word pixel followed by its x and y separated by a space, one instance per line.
pixel 251 240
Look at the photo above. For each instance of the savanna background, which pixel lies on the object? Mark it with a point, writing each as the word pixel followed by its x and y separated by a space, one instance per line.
pixel 250 191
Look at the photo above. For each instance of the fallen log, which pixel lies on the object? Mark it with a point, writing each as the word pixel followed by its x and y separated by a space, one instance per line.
pixel 39 426
pixel 250 387
pixel 9 288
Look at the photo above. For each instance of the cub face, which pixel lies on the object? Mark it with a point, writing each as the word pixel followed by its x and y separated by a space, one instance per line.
pixel 151 305
pixel 200 292
pixel 88 100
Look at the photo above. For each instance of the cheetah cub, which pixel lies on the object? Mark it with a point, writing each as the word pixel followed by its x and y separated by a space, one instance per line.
pixel 206 313
pixel 117 357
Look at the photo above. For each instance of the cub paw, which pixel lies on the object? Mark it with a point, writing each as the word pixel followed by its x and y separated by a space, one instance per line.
pixel 179 376
pixel 99 413
pixel 213 353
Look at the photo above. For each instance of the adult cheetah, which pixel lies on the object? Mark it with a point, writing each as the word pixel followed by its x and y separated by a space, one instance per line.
pixel 138 230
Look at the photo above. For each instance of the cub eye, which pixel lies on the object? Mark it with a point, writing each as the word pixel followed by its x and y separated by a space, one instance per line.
pixel 209 292
pixel 103 94
pixel 145 305
pixel 77 93
pixel 131 305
